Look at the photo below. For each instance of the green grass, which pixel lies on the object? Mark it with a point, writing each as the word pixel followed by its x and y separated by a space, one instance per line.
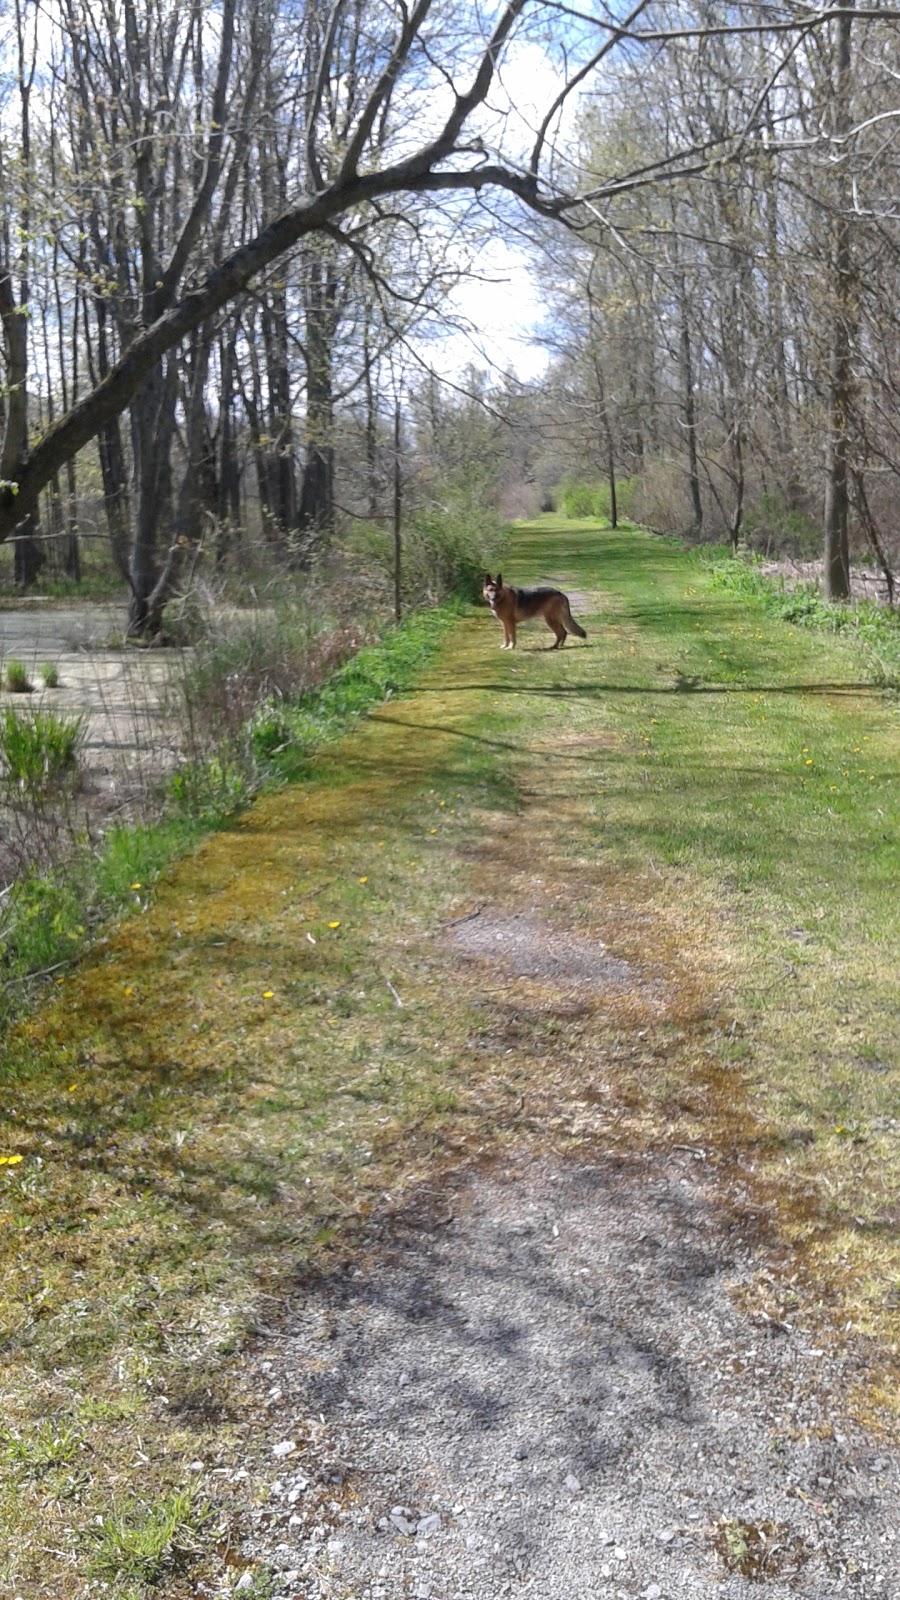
pixel 47 1447
pixel 228 1086
pixel 285 734
pixel 137 1544
pixel 49 917
pixel 17 679
pixel 38 750
pixel 49 675
pixel 97 583
pixel 748 779
pixel 875 627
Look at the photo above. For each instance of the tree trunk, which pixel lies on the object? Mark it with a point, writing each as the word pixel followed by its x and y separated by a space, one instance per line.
pixel 152 430
pixel 316 513
pixel 837 491
pixel 608 442
pixel 690 411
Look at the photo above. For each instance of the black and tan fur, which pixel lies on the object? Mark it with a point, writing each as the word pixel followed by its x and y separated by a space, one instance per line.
pixel 511 605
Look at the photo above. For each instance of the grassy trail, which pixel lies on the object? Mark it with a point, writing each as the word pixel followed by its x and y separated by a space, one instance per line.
pixel 287 1033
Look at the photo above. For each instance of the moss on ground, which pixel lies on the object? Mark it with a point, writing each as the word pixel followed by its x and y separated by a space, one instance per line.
pixel 236 1076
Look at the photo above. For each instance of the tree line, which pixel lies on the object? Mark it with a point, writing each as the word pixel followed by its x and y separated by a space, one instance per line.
pixel 220 222
pixel 730 338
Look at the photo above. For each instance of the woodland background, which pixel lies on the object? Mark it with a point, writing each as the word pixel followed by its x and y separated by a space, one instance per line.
pixel 721 300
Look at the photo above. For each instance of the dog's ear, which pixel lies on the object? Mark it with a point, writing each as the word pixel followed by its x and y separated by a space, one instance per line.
pixel 487 579
pixel 499 580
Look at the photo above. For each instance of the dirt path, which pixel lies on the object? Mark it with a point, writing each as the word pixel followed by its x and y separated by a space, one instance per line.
pixel 473 1173
pixel 564 1371
pixel 534 1381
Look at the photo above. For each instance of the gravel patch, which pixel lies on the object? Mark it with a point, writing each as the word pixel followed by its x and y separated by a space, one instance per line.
pixel 526 947
pixel 537 1383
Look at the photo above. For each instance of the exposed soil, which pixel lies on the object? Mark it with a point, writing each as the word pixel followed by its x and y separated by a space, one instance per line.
pixel 528 948
pixel 559 1377
pixel 535 1381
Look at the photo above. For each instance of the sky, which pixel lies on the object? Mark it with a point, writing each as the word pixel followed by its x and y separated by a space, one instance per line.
pixel 501 310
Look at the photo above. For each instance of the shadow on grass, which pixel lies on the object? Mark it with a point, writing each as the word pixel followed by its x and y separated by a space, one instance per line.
pixel 685 685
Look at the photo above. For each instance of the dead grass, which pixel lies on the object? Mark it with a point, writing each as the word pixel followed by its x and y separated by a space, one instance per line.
pixel 236 1079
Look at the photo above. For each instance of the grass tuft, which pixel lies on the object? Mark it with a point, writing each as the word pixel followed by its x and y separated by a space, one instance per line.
pixel 17 679
pixel 138 1544
pixel 49 675
pixel 50 1445
pixel 40 749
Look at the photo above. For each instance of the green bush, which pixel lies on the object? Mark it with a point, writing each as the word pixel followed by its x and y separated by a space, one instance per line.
pixel 41 925
pixel 593 499
pixel 39 749
pixel 49 674
pixel 773 526
pixel 211 788
pixel 446 548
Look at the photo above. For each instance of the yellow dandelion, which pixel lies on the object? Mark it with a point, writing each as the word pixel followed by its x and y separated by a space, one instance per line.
pixel 808 762
pixel 268 994
pixel 334 924
pixel 137 886
pixel 10 1161
pixel 129 990
pixel 72 1087
pixel 432 830
pixel 363 880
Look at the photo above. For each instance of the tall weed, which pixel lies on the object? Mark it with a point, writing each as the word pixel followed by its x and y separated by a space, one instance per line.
pixel 38 749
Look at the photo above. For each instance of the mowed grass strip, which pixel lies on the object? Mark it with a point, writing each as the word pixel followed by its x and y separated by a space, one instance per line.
pixel 746 796
pixel 232 1083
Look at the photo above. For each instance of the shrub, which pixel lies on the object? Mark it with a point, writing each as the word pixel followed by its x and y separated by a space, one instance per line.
pixel 594 500
pixel 17 680
pixel 39 750
pixel 775 527
pixel 448 543
pixel 41 924
pixel 49 674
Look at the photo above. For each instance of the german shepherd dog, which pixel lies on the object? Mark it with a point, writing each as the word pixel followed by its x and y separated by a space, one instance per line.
pixel 520 605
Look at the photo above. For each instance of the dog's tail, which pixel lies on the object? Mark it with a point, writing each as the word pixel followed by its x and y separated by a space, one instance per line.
pixel 572 625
